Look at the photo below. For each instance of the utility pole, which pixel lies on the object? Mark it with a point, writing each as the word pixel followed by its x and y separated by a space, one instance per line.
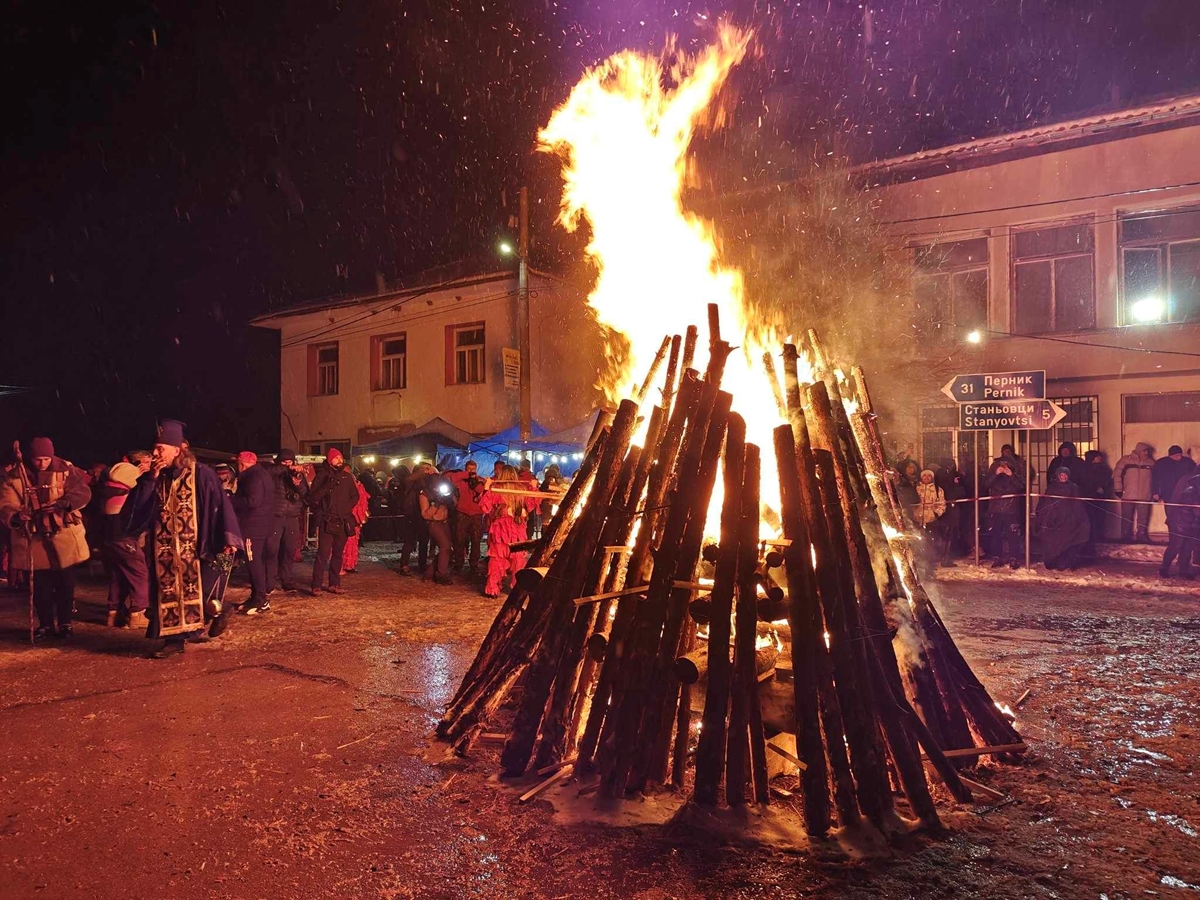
pixel 526 408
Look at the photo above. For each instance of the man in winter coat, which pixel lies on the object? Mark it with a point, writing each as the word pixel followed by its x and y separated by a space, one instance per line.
pixel 254 503
pixel 290 489
pixel 124 553
pixel 1183 521
pixel 468 523
pixel 1004 510
pixel 332 497
pixel 1168 472
pixel 1132 483
pixel 192 533
pixel 953 485
pixel 47 527
pixel 1096 486
pixel 1068 457
pixel 1062 522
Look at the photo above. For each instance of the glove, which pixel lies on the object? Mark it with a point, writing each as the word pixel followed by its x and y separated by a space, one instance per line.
pixel 62 504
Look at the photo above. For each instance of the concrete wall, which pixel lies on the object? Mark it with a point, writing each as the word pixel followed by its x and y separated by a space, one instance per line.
pixel 1097 183
pixel 562 394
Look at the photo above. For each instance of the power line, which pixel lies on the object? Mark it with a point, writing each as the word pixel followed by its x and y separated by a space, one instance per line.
pixel 1058 340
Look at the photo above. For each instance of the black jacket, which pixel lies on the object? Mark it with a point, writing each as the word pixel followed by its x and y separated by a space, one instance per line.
pixel 1096 481
pixel 1001 486
pixel 1071 463
pixel 290 490
pixel 1186 518
pixel 1016 463
pixel 333 496
pixel 254 502
pixel 1167 473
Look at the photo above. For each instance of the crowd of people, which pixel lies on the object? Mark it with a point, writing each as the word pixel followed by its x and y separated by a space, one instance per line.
pixel 169 530
pixel 1070 515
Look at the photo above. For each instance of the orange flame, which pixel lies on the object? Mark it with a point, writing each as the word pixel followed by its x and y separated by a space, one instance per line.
pixel 624 135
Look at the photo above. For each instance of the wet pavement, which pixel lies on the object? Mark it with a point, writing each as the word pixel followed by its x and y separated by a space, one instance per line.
pixel 294 758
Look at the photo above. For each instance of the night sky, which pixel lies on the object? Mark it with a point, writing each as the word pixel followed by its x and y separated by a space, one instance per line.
pixel 172 169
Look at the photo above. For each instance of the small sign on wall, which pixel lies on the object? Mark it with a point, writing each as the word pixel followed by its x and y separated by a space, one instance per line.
pixel 512 369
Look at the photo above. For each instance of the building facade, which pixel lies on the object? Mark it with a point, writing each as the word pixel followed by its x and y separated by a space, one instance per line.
pixel 1073 248
pixel 363 369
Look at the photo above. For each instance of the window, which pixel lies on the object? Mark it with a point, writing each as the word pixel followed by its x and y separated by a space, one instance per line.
pixel 389 356
pixel 1179 406
pixel 1053 281
pixel 1160 261
pixel 322 369
pixel 465 354
pixel 952 287
pixel 1080 426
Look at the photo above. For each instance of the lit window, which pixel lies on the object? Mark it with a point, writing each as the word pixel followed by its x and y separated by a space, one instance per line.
pixel 1160 266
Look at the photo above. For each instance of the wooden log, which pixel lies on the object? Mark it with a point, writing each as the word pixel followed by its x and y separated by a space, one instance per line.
pixel 689 347
pixel 557 740
pixel 845 438
pixel 772 608
pixel 710 752
pixel 691 667
pixel 683 717
pixel 598 719
pixel 670 386
pixel 597 646
pixel 700 610
pixel 664 687
pixel 714 324
pixel 561 586
pixel 773 379
pixel 530 578
pixel 486 670
pixel 741 752
pixel 659 358
pixel 882 667
pixel 848 652
pixel 639 694
pixel 807 636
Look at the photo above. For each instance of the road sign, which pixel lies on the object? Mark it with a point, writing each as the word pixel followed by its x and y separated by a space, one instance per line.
pixel 1019 414
pixel 997 386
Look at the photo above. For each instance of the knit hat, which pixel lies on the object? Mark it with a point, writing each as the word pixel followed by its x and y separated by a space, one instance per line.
pixel 247 458
pixel 334 457
pixel 1175 448
pixel 170 432
pixel 1060 470
pixel 285 456
pixel 124 473
pixel 928 472
pixel 41 446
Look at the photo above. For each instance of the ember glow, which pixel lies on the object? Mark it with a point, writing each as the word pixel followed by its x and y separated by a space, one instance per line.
pixel 623 136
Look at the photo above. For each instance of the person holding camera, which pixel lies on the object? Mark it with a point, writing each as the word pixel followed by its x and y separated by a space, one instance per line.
pixel 468 530
pixel 436 499
pixel 332 497
pixel 287 536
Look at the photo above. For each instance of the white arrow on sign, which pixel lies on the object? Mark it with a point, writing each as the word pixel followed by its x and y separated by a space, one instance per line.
pixel 1059 414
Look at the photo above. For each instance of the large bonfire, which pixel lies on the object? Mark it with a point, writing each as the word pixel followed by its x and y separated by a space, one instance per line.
pixel 727 576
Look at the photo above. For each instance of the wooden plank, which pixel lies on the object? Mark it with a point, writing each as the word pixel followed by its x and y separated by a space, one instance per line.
pixel 794 760
pixel 596 598
pixel 561 775
pixel 967 752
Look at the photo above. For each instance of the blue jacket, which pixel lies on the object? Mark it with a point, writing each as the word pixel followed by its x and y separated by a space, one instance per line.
pixel 254 502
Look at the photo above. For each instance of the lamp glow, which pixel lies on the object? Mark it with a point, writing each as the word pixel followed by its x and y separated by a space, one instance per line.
pixel 975 337
pixel 505 248
pixel 1148 309
pixel 393 462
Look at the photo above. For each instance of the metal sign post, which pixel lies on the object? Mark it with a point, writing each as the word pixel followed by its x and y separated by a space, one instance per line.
pixel 1028 478
pixel 976 462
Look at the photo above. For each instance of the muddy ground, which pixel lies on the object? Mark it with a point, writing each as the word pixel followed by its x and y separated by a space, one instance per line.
pixel 293 758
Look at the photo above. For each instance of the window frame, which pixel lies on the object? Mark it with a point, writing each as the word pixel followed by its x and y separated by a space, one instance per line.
pixel 380 359
pixel 453 349
pixel 1052 259
pixel 950 271
pixel 319 379
pixel 1163 248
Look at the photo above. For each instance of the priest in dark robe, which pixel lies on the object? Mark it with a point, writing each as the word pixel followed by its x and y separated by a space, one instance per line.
pixel 1062 521
pixel 192 537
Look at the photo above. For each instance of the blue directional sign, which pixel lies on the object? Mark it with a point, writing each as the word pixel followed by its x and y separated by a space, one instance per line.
pixel 1018 414
pixel 997 386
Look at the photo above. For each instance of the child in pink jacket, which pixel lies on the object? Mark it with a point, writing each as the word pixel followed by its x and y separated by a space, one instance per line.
pixel 507 518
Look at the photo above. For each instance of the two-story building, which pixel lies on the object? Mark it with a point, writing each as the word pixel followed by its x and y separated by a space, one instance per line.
pixel 431 356
pixel 1073 248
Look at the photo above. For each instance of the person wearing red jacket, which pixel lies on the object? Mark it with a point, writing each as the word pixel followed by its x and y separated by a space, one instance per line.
pixel 469 524
pixel 508 517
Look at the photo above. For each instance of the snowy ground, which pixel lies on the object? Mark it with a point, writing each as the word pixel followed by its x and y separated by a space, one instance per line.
pixel 293 759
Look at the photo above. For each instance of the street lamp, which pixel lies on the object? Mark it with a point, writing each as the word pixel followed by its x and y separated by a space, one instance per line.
pixel 1148 309
pixel 975 337
pixel 505 248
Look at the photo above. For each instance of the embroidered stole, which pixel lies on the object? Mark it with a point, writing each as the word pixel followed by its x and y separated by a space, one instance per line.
pixel 180 597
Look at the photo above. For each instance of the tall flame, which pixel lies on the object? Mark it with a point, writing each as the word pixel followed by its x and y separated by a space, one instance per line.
pixel 624 135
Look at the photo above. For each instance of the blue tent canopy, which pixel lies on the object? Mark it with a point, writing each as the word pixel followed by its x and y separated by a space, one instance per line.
pixel 562 448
